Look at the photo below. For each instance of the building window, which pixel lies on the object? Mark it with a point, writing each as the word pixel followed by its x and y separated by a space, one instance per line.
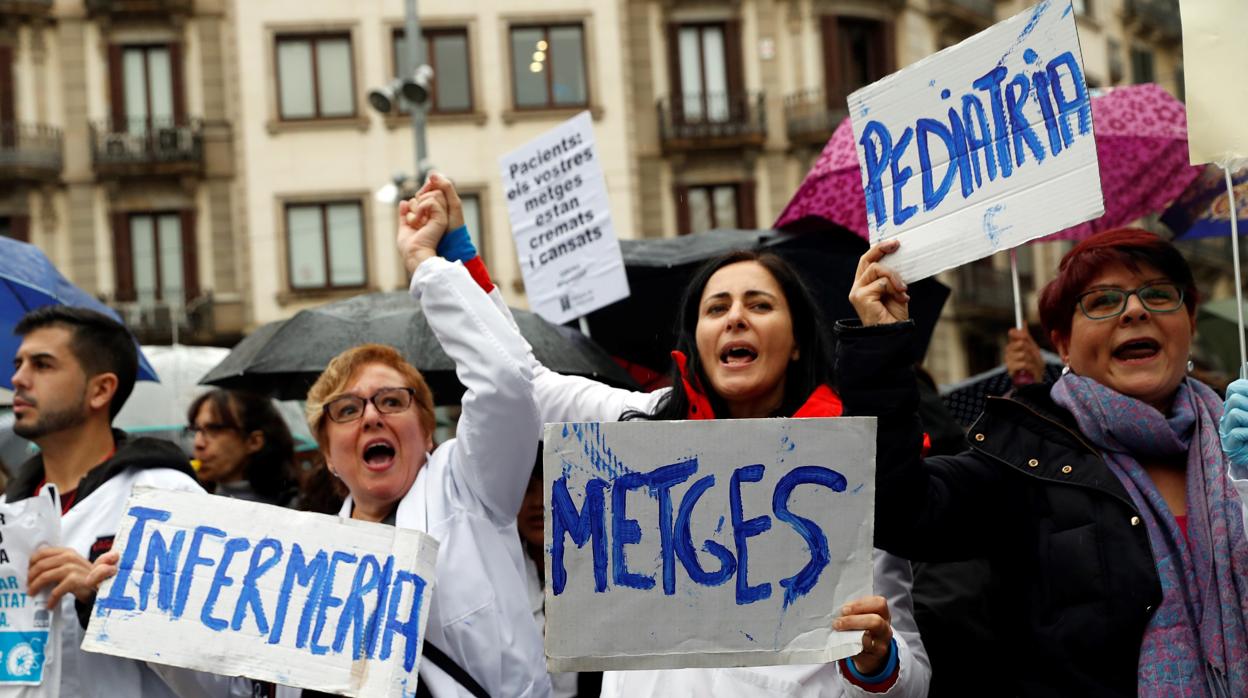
pixel 857 52
pixel 703 66
pixel 15 227
pixel 315 77
pixel 156 257
pixel 446 51
pixel 548 66
pixel 325 245
pixel 147 88
pixel 1117 72
pixel 707 207
pixel 1142 66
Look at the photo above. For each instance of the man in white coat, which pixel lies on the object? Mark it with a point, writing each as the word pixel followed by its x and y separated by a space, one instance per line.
pixel 73 372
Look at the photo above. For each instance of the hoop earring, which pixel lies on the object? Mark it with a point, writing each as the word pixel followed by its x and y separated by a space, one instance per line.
pixel 1191 365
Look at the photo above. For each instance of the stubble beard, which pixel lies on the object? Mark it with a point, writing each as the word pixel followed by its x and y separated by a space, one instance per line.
pixel 53 421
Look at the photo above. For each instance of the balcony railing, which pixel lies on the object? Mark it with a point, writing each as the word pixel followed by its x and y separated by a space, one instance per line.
pixel 697 121
pixel 983 289
pixel 139 8
pixel 147 146
pixel 972 12
pixel 29 152
pixel 811 116
pixel 1159 18
pixel 25 9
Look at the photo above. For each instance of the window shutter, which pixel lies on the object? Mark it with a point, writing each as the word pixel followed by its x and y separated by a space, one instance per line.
pixel 7 107
pixel 683 223
pixel 19 228
pixel 745 206
pixel 833 89
pixel 190 255
pixel 676 95
pixel 116 89
pixel 179 83
pixel 121 258
pixel 733 60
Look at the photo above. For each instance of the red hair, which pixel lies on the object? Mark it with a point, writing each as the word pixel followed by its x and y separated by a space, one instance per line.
pixel 1129 247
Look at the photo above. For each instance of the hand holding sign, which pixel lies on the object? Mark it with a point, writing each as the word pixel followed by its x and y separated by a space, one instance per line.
pixel 878 294
pixel 871 615
pixel 63 571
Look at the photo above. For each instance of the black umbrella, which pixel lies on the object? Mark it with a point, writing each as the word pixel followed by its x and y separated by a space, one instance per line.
pixel 641 327
pixel 284 358
pixel 965 399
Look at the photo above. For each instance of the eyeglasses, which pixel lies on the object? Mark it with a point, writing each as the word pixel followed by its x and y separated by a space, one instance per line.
pixel 1105 303
pixel 349 408
pixel 211 429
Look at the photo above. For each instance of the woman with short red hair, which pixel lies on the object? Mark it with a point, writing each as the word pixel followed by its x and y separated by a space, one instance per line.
pixel 1101 500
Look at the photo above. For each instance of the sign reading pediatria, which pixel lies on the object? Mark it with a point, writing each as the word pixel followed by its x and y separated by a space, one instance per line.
pixel 982 146
pixel 561 221
pixel 706 543
pixel 244 589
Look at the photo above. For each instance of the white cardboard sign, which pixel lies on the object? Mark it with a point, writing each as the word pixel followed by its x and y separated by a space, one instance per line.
pixel 1214 54
pixel 29 636
pixel 982 146
pixel 245 589
pixel 706 543
pixel 561 221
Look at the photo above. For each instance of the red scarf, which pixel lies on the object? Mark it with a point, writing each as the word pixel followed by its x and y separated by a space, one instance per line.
pixel 824 402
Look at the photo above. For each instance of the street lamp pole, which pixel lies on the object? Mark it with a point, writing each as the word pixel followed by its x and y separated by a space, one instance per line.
pixel 415 58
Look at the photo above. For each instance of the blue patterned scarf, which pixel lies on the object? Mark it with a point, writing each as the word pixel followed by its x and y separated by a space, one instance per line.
pixel 1196 643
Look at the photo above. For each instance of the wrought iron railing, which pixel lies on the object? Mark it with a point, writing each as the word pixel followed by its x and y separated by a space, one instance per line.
pixel 708 119
pixel 1161 16
pixel 29 151
pixel 25 8
pixel 146 141
pixel 812 115
pixel 148 8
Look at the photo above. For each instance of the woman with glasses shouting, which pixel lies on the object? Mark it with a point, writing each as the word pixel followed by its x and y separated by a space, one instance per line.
pixel 1101 500
pixel 372 415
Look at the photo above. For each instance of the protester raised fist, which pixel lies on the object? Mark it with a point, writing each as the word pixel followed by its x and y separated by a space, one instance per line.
pixel 454 207
pixel 1023 361
pixel 422 223
pixel 878 294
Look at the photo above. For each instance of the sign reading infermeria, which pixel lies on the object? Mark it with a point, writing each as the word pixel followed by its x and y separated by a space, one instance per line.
pixel 981 147
pixel 300 599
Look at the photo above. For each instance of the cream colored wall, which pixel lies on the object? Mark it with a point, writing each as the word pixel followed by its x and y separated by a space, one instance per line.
pixel 305 162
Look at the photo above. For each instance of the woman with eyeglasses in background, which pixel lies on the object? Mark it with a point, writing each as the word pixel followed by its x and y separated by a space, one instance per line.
pixel 1101 500
pixel 372 415
pixel 243 447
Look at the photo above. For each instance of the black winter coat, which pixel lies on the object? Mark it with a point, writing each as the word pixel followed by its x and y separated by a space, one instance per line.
pixel 1065 542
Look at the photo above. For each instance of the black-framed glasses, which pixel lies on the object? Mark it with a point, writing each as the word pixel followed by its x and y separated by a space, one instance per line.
pixel 349 408
pixel 211 429
pixel 1106 303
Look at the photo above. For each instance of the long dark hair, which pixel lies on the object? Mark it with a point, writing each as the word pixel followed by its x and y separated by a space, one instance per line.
pixel 268 470
pixel 810 335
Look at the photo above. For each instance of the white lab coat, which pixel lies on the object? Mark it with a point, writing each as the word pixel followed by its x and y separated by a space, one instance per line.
pixel 468 495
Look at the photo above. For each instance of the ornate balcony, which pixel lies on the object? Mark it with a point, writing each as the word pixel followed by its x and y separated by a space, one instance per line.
pixel 1155 19
pixel 147 147
pixel 29 153
pixel 25 9
pixel 811 116
pixel 138 9
pixel 705 121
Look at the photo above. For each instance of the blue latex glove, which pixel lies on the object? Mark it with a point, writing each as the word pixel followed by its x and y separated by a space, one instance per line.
pixel 1234 427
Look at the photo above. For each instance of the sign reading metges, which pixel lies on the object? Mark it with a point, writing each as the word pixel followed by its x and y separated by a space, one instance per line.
pixel 561 221
pixel 980 147
pixel 705 543
pixel 244 589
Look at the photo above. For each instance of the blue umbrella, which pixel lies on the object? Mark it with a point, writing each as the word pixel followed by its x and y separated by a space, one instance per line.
pixel 28 280
pixel 1202 210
